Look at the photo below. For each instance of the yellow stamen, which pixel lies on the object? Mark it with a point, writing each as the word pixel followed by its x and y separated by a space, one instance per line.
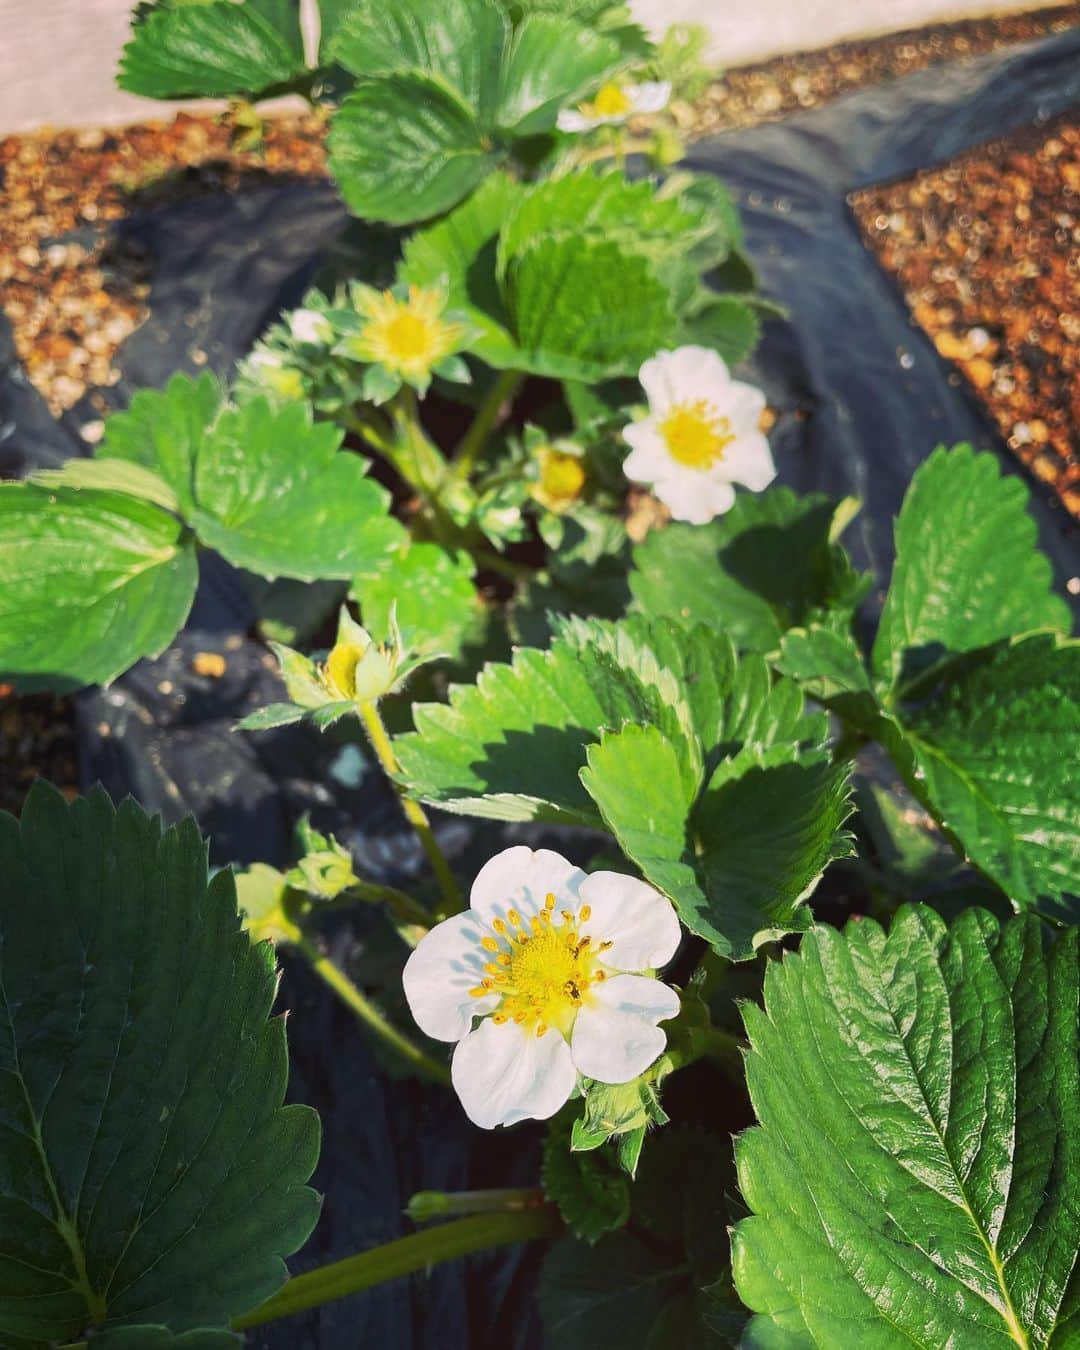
pixel 545 977
pixel 489 944
pixel 611 101
pixel 409 336
pixel 696 434
pixel 341 668
pixel 585 913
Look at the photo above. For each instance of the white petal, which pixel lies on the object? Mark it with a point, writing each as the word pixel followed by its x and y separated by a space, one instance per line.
pixel 684 376
pixel 308 325
pixel 572 120
pixel 504 1074
pixel 649 458
pixel 743 406
pixel 748 460
pixel 615 1036
pixel 519 878
pixel 695 497
pixel 637 920
pixel 438 975
pixel 650 96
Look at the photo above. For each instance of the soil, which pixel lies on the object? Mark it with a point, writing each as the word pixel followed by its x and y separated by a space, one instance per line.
pixel 71 291
pixel 987 252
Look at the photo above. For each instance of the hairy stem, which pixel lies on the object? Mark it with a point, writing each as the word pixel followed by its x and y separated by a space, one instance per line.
pixel 445 1242
pixel 366 1011
pixel 483 424
pixel 453 900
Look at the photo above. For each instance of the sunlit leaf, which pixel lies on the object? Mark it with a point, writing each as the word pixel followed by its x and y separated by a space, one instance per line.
pixel 915 1176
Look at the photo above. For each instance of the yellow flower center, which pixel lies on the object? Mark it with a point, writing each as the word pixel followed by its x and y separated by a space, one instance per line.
pixel 562 478
pixel 611 101
pixel 407 336
pixel 546 969
pixel 695 434
pixel 410 337
pixel 341 668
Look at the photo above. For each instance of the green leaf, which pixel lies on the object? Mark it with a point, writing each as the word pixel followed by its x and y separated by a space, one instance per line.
pixel 436 601
pixel 725 323
pixel 606 1297
pixel 968 571
pixel 510 746
pixel 109 475
pixel 550 62
pixel 643 1290
pixel 593 1196
pixel 768 565
pixel 457 42
pixel 571 298
pixel 600 205
pixel 915 1175
pixel 276 495
pixel 828 665
pixel 162 430
pixel 739 862
pixel 273 715
pixel 217 50
pixel 92 582
pixel 406 147
pixel 284 17
pixel 263 483
pixel 994 756
pixel 161 1338
pixel 332 14
pixel 151 1172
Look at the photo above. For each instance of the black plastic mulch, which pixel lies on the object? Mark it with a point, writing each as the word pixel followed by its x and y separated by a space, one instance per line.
pixel 862 398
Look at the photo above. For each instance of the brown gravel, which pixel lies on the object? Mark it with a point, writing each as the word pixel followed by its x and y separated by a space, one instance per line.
pixel 771 89
pixel 987 253
pixel 73 302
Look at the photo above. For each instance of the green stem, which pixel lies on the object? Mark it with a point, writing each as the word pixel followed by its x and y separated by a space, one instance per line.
pixel 403 906
pixel 601 152
pixel 445 1242
pixel 723 1047
pixel 495 562
pixel 483 424
pixel 396 1040
pixel 453 900
pixel 427 1205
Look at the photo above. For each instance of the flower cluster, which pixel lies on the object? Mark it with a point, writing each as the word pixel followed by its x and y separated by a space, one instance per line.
pixel 547 976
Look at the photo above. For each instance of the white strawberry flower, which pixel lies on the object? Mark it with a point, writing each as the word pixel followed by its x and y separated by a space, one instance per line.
pixel 615 103
pixel 308 325
pixel 701 435
pixel 551 961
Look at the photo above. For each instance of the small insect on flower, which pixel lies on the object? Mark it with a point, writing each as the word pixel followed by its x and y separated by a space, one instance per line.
pixel 408 336
pixel 615 103
pixel 701 435
pixel 558 966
